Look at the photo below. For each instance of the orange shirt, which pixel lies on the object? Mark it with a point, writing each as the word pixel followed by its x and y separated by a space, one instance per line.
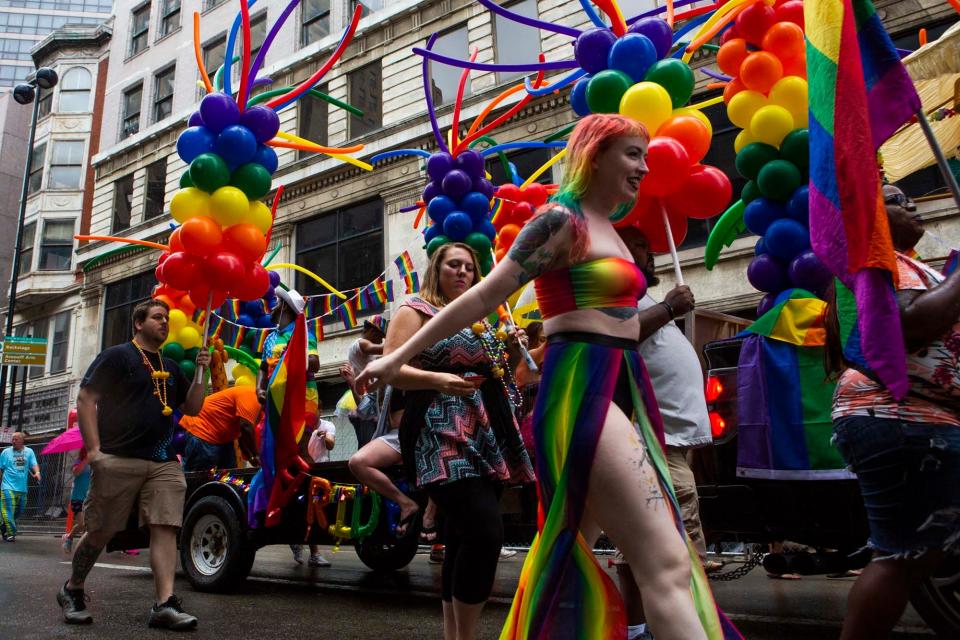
pixel 219 419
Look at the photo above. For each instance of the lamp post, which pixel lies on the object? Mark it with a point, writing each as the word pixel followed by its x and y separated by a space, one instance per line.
pixel 43 78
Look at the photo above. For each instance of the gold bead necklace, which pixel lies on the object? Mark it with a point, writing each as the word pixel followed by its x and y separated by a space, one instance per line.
pixel 159 379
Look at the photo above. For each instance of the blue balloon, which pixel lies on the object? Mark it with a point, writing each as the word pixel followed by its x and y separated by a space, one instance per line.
pixel 457 226
pixel 798 207
pixel 476 205
pixel 254 309
pixel 245 320
pixel 760 248
pixel 578 97
pixel 267 158
pixel 432 232
pixel 264 321
pixel 633 54
pixel 236 144
pixel 486 228
pixel 786 239
pixel 760 214
pixel 439 207
pixel 194 141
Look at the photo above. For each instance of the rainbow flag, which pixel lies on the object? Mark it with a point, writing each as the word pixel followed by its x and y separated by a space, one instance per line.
pixel 238 338
pixel 405 267
pixel 261 339
pixel 316 325
pixel 218 326
pixel 232 308
pixel 347 313
pixel 859 95
pixel 797 320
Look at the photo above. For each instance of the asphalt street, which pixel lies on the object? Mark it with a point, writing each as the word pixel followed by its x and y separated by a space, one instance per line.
pixel 282 600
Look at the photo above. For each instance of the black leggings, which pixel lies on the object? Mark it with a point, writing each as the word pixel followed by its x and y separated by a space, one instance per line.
pixel 473 536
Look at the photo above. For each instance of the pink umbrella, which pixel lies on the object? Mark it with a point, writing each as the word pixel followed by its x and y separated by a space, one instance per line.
pixel 69 440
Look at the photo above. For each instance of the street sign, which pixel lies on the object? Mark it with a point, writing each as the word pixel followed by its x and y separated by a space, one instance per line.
pixel 24 352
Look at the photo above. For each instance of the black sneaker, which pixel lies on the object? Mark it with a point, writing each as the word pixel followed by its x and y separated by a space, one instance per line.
pixel 7 538
pixel 73 602
pixel 170 615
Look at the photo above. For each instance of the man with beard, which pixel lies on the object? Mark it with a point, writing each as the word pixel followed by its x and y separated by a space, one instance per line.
pixel 125 408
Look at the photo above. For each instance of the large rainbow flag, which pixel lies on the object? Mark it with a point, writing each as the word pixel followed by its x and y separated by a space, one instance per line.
pixel 860 94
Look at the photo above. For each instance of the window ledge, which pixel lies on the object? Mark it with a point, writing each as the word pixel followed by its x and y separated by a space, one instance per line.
pixel 172 33
pixel 131 56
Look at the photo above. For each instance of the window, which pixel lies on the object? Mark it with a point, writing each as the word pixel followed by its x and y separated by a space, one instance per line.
pixel 139 28
pixel 75 91
pixel 11 49
pixel 210 4
pixel 38 329
pixel 315 21
pixel 11 74
pixel 46 104
pixel 156 189
pixel 66 164
pixel 444 79
pixel 61 342
pixel 312 114
pixel 122 202
pixel 369 6
pixel 36 167
pixel 366 95
pixel 163 93
pixel 213 54
pixel 516 43
pixel 119 300
pixel 33 24
pixel 258 32
pixel 56 245
pixel 525 162
pixel 169 17
pixel 131 111
pixel 346 246
pixel 26 249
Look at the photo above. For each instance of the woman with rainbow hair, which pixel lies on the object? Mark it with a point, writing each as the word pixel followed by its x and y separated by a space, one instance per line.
pixel 598 438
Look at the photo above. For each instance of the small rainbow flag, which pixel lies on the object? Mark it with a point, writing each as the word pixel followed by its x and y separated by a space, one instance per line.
pixel 218 327
pixel 405 268
pixel 347 313
pixel 232 309
pixel 261 338
pixel 316 326
pixel 238 339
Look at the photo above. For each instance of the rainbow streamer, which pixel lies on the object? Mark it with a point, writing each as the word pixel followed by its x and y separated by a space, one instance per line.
pixel 405 268
pixel 860 94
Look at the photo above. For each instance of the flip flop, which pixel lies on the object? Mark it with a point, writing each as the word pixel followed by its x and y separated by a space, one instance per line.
pixel 428 533
pixel 405 523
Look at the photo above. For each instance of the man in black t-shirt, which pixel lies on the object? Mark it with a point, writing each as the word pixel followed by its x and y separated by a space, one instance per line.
pixel 125 408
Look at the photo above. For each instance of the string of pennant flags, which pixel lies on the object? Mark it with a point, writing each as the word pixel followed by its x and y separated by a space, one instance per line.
pixel 377 293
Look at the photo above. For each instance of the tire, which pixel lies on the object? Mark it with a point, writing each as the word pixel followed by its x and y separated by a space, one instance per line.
pixel 213 553
pixel 382 552
pixel 937 600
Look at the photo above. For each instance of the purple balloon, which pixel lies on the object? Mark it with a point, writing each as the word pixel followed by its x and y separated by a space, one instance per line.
pixel 808 272
pixel 439 165
pixel 236 144
pixel 431 191
pixel 767 274
pixel 219 111
pixel 659 32
pixel 766 303
pixel 592 49
pixel 484 186
pixel 786 239
pixel 456 184
pixel 195 120
pixel 471 162
pixel 263 122
pixel 274 279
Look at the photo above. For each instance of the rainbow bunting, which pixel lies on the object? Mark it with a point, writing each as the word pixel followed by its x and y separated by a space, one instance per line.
pixel 405 267
pixel 218 327
pixel 316 325
pixel 238 339
pixel 233 307
pixel 859 95
pixel 347 313
pixel 261 338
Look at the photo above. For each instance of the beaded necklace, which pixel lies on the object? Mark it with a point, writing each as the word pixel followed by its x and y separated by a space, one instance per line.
pixel 159 379
pixel 494 346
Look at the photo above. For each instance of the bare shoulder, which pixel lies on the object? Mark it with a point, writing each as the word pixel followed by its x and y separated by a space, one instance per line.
pixel 543 241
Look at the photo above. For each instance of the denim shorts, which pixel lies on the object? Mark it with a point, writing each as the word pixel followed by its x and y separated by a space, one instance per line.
pixel 909 476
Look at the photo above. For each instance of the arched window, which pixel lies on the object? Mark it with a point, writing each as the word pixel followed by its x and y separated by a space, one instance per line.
pixel 75 91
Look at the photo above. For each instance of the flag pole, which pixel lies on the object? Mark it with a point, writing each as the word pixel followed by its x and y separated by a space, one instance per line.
pixel 938 154
pixel 688 319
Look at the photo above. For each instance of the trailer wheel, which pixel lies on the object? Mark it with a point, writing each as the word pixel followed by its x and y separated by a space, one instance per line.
pixel 212 548
pixel 381 551
pixel 937 600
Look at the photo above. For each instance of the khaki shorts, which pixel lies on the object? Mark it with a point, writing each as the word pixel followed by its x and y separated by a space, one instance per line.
pixel 115 485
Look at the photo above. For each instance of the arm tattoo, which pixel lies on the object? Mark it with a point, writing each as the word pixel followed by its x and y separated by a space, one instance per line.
pixel 84 557
pixel 529 250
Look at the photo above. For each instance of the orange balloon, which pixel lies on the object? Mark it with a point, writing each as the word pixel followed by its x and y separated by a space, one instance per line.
pixel 796 67
pixel 500 254
pixel 175 243
pixel 245 240
pixel 507 235
pixel 690 132
pixel 731 55
pixel 760 71
pixel 733 87
pixel 200 235
pixel 165 300
pixel 186 305
pixel 784 40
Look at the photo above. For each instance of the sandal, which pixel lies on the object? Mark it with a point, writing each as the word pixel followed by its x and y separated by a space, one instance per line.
pixel 405 523
pixel 428 533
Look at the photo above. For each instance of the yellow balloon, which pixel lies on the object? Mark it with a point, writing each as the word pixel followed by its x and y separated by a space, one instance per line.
pixel 791 94
pixel 647 102
pixel 229 206
pixel 259 216
pixel 188 337
pixel 243 381
pixel 188 203
pixel 696 113
pixel 771 123
pixel 743 139
pixel 177 321
pixel 743 105
pixel 801 120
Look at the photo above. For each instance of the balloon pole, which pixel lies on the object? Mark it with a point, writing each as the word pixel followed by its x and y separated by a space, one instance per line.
pixel 673 247
pixel 198 376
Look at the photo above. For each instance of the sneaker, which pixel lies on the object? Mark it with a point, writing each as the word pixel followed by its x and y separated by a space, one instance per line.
pixel 170 615
pixel 67 543
pixel 297 550
pixel 507 553
pixel 317 560
pixel 73 603
pixel 11 538
pixel 436 554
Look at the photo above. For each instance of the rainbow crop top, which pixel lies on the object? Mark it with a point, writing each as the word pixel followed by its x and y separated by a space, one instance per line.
pixel 603 283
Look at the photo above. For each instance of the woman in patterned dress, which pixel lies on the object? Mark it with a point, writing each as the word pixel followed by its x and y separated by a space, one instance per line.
pixel 459 439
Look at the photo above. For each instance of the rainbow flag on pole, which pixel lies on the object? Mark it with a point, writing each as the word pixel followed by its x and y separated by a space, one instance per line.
pixel 860 94
pixel 405 267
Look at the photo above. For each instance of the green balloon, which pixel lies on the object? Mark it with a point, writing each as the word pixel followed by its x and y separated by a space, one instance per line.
pixel 436 243
pixel 191 354
pixel 605 89
pixel 675 76
pixel 251 178
pixel 246 349
pixel 188 368
pixel 486 265
pixel 479 243
pixel 778 180
pixel 174 351
pixel 209 172
pixel 185 180
pixel 753 157
pixel 750 192
pixel 796 148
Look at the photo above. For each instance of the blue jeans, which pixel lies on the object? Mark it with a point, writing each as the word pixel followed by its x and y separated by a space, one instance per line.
pixel 909 476
pixel 200 455
pixel 12 504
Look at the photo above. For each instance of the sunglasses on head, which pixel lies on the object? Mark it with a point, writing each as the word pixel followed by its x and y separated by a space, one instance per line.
pixel 900 199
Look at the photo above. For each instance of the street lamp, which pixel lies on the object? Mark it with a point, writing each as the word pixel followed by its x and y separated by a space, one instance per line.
pixel 43 78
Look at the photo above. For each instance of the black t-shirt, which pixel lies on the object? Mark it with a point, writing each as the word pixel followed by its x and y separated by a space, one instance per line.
pixel 129 416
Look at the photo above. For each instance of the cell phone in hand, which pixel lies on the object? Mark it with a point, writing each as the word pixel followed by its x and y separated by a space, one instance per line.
pixel 475 379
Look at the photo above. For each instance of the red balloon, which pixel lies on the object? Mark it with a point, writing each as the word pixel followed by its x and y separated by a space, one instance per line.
pixel 669 166
pixel 754 21
pixel 729 35
pixel 706 193
pixel 175 243
pixel 200 235
pixel 163 257
pixel 201 292
pixel 224 270
pixel 245 240
pixel 651 224
pixel 796 66
pixel 791 11
pixel 509 192
pixel 522 212
pixel 253 285
pixel 180 270
pixel 690 132
pixel 641 208
pixel 536 194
